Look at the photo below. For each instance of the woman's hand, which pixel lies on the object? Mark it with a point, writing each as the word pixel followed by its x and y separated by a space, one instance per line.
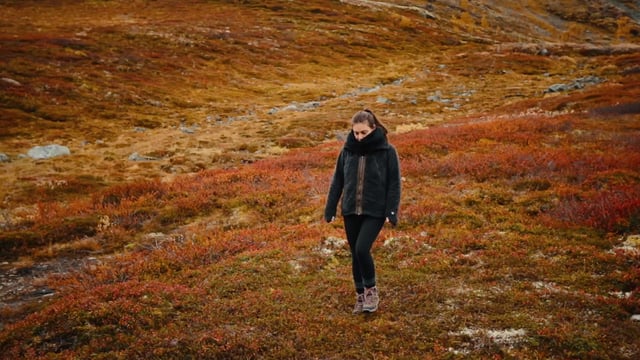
pixel 392 219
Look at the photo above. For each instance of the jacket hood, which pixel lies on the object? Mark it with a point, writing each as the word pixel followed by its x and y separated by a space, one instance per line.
pixel 375 141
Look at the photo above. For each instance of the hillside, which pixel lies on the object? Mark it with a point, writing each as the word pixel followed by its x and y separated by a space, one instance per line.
pixel 518 130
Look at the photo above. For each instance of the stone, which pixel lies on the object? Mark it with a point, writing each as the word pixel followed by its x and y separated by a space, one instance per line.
pixel 48 151
pixel 383 100
pixel 4 158
pixel 137 157
pixel 11 82
pixel 580 83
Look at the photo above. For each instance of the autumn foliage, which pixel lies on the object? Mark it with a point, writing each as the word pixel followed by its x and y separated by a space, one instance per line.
pixel 519 220
pixel 241 273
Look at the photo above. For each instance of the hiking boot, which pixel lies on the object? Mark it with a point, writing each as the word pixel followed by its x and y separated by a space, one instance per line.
pixel 357 309
pixel 371 299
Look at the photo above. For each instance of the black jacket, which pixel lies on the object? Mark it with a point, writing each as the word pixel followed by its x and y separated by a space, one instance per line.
pixel 367 176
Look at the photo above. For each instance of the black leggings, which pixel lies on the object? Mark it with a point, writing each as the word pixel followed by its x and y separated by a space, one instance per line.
pixel 361 232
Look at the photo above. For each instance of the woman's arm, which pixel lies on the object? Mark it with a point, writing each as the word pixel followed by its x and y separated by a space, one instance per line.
pixel 393 186
pixel 335 190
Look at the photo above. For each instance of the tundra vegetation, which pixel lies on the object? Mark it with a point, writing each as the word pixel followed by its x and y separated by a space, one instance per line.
pixel 186 220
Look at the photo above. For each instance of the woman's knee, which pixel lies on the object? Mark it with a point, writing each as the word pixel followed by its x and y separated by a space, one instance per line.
pixel 363 251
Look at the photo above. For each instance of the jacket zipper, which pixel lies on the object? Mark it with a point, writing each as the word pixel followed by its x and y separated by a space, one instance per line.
pixel 360 185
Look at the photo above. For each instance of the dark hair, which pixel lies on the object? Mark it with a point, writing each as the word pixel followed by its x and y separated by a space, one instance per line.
pixel 367 116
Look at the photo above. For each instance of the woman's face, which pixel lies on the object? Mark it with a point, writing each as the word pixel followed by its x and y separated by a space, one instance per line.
pixel 361 130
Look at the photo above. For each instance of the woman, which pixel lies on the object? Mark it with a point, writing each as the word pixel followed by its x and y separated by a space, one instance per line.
pixel 367 177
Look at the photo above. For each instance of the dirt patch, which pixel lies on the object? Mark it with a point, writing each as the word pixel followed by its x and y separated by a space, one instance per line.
pixel 23 284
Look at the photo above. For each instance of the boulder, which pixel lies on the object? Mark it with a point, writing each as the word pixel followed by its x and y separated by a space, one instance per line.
pixel 48 151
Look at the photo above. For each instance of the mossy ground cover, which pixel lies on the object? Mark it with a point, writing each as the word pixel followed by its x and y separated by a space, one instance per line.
pixel 516 204
pixel 487 261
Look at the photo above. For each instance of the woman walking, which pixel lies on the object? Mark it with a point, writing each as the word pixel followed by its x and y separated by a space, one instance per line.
pixel 367 178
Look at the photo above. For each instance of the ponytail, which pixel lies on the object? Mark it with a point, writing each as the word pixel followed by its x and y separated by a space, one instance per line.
pixel 370 118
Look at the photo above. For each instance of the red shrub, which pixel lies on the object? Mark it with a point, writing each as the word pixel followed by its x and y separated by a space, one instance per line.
pixel 616 209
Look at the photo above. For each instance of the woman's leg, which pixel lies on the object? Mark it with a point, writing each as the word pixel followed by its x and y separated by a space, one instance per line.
pixel 361 232
pixel 352 226
pixel 369 231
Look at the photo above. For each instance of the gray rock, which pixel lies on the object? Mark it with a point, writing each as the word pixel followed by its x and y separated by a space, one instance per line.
pixel 383 100
pixel 436 97
pixel 556 88
pixel 4 158
pixel 11 81
pixel 188 129
pixel 310 105
pixel 48 151
pixel 369 90
pixel 137 157
pixel 295 106
pixel 588 80
pixel 580 83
